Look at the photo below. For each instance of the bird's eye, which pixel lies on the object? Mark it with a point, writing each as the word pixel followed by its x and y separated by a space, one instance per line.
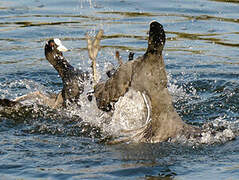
pixel 52 44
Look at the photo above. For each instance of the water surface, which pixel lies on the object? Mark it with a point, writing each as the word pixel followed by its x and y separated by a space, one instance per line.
pixel 201 57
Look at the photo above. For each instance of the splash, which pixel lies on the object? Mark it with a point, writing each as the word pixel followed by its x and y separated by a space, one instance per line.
pixel 125 124
pixel 17 88
pixel 86 3
pixel 130 117
pixel 179 92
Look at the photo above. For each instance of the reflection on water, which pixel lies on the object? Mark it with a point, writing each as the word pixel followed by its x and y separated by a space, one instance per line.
pixel 227 1
pixel 201 58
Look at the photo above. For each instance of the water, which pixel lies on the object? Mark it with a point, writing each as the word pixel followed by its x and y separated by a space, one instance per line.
pixel 201 57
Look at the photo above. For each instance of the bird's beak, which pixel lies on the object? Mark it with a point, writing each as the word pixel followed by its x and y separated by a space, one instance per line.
pixel 62 48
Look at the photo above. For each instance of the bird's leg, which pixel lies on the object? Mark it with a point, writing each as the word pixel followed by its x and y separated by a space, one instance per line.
pixel 118 57
pixel 93 49
pixel 131 56
pixel 53 101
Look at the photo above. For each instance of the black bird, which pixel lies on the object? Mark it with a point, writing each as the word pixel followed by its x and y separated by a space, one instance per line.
pixel 147 75
pixel 72 78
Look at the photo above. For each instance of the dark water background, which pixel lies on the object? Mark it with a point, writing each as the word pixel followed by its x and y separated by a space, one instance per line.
pixel 201 57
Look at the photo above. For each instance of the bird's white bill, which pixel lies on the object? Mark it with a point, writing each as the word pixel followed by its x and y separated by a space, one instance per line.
pixel 60 46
